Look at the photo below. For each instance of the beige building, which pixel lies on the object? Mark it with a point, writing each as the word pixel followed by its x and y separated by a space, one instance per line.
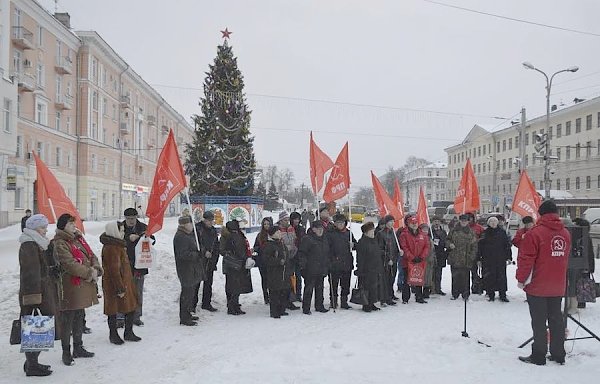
pixel 94 121
pixel 574 138
pixel 432 177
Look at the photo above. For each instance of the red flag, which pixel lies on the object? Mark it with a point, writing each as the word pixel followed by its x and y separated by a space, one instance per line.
pixel 51 197
pixel 526 201
pixel 319 164
pixel 422 215
pixel 399 203
pixel 169 180
pixel 338 183
pixel 386 205
pixel 467 195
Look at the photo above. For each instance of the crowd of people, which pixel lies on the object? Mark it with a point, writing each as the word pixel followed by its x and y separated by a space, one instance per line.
pixel 59 276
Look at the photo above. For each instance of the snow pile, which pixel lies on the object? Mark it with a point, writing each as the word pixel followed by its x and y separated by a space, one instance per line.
pixel 401 343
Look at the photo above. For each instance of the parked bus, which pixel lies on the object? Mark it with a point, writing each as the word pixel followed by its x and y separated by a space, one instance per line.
pixel 358 213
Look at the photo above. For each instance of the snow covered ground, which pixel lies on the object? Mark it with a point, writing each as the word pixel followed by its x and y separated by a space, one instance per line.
pixel 404 343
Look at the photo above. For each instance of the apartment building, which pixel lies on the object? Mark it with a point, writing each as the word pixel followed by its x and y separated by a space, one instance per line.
pixel 574 138
pixel 432 177
pixel 91 118
pixel 8 121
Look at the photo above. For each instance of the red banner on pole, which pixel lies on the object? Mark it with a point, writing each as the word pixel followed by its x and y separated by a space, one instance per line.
pixel 399 203
pixel 386 205
pixel 319 164
pixel 422 215
pixel 467 195
pixel 526 201
pixel 51 197
pixel 169 180
pixel 338 183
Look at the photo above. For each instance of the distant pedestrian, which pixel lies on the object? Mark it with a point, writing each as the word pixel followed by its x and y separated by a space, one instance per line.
pixel 24 219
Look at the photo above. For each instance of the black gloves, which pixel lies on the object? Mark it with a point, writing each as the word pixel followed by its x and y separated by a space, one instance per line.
pixel 417 260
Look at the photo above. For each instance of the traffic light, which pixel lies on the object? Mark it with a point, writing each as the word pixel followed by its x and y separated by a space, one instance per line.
pixel 540 142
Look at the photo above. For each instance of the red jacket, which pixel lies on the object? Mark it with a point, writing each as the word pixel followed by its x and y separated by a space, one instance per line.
pixel 413 245
pixel 543 258
pixel 516 241
pixel 478 229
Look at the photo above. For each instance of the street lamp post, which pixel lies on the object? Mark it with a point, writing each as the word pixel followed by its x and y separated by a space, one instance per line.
pixel 547 158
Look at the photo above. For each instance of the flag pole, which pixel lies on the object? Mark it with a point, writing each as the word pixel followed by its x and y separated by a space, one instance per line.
pixel 350 214
pixel 187 194
pixel 52 209
pixel 428 219
pixel 317 199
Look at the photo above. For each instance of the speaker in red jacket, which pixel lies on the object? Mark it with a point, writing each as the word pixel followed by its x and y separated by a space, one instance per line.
pixel 578 257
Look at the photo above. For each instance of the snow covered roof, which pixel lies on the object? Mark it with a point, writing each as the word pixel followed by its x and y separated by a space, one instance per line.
pixel 556 194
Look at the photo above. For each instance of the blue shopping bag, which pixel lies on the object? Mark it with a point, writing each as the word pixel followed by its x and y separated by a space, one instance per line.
pixel 37 332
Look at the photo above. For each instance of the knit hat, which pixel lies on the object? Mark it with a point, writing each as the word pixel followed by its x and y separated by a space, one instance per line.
pixel 367 227
pixel 339 217
pixel 184 220
pixel 295 216
pixel 36 221
pixel 388 218
pixel 272 230
pixel 500 218
pixel 323 207
pixel 548 206
pixel 283 215
pixel 208 215
pixel 464 216
pixel 527 220
pixel 316 224
pixel 62 221
pixel 131 212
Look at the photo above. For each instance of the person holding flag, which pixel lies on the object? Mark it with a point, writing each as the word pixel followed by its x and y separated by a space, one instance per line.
pixel 392 253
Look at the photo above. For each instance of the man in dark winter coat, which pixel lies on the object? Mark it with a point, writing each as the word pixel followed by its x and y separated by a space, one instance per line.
pixel 476 280
pixel 313 257
pixel 300 233
pixel 237 262
pixel 276 257
pixel 189 265
pixel 290 241
pixel 388 241
pixel 341 243
pixel 493 253
pixel 24 219
pixel 542 274
pixel 209 244
pixel 134 230
pixel 462 243
pixel 441 254
pixel 369 266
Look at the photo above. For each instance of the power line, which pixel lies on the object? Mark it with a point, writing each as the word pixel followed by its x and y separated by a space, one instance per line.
pixel 336 102
pixel 513 19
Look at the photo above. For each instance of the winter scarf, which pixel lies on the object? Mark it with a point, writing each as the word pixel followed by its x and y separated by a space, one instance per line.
pixel 31 235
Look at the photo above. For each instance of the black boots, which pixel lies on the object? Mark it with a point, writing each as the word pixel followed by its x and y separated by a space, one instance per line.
pixel 67 358
pixel 113 335
pixel 128 334
pixel 79 351
pixel 33 368
pixel 334 301
pixel 344 303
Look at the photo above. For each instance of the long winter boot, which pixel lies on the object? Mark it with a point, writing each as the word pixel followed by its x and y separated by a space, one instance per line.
pixel 129 335
pixel 344 302
pixel 33 368
pixel 113 335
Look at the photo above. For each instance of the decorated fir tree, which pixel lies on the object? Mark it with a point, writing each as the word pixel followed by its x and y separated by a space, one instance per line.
pixel 220 160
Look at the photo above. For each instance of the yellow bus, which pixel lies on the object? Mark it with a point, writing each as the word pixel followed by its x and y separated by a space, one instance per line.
pixel 358 213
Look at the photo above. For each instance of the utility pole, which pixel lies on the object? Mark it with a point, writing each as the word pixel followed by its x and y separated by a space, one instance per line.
pixel 522 140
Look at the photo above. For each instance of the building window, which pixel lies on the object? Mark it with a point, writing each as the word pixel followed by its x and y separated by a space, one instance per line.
pixel 41 75
pixel 504 164
pixel 568 153
pixel 577 151
pixel 69 156
pixel 40 36
pixel 478 168
pixel 497 165
pixel 558 184
pixel 57 123
pixel 598 181
pixel 550 133
pixel 598 120
pixel 577 186
pixel 526 160
pixel 541 184
pixel 19 146
pixel 558 153
pixel 517 142
pixel 588 182
pixel 95 100
pixel 58 156
pixel 94 70
pixel 503 145
pixel 484 167
pixel 534 159
pixel 94 163
pixel 578 125
pixel 526 139
pixel 588 122
pixel 41 112
pixel 484 150
pixel 588 149
pixel 567 128
pixel 19 198
pixel 68 124
pixel 510 163
pixel 510 143
pixel 498 147
pixel 6 107
pixel 558 130
pixel 429 174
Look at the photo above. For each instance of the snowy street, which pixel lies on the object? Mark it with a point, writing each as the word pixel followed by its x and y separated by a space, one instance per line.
pixel 400 343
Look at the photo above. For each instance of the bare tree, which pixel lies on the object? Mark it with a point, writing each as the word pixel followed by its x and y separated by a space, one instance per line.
pixel 364 196
pixel 286 179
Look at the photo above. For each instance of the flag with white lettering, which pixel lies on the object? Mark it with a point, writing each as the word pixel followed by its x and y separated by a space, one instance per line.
pixel 526 201
pixel 169 180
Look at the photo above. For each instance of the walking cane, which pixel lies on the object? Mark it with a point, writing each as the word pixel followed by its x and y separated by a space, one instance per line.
pixel 331 292
pixel 464 332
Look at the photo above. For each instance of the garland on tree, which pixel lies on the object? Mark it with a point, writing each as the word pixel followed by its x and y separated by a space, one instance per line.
pixel 220 160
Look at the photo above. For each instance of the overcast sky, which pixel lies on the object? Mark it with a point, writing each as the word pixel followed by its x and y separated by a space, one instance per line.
pixel 436 70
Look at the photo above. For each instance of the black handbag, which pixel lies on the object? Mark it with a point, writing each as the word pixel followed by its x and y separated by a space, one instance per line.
pixel 360 296
pixel 231 262
pixel 15 332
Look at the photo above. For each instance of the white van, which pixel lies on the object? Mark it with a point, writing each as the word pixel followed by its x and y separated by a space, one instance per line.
pixel 450 214
pixel 591 214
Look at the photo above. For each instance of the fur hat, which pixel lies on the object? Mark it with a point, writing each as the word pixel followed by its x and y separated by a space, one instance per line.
pixel 339 217
pixel 527 220
pixel 295 216
pixel 316 224
pixel 131 212
pixel 36 221
pixel 323 207
pixel 272 230
pixel 184 220
pixel 208 215
pixel 283 215
pixel 62 221
pixel 388 218
pixel 548 206
pixel 367 227
pixel 464 216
